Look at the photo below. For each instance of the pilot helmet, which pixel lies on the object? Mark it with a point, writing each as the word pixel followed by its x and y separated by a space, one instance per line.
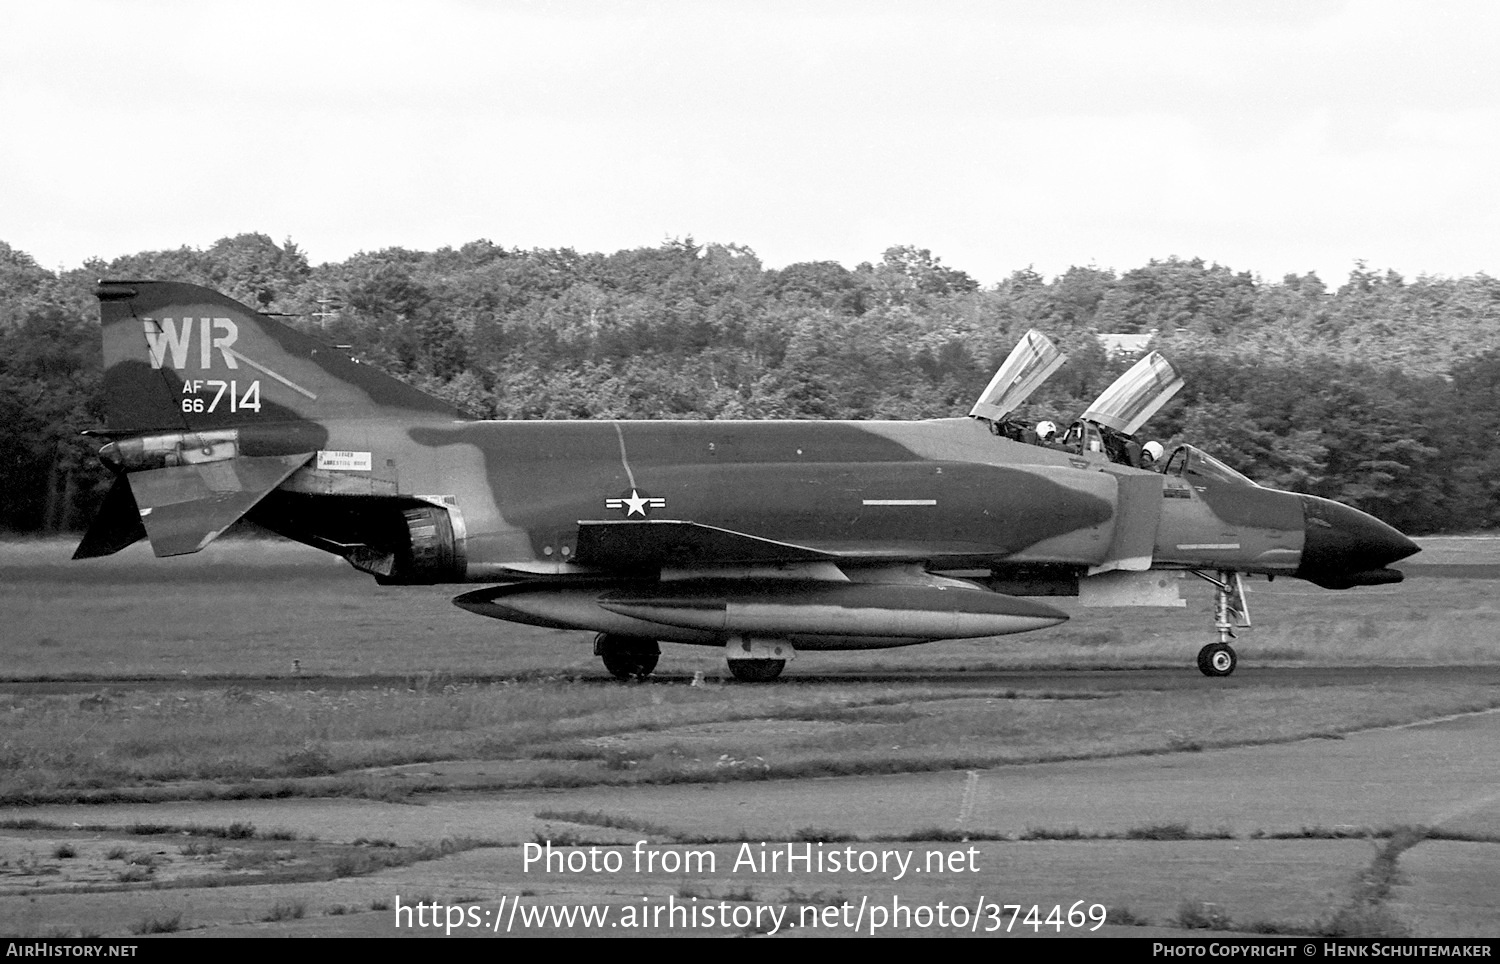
pixel 1153 449
pixel 1045 430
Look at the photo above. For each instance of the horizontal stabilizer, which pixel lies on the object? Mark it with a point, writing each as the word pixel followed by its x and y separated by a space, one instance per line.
pixel 184 507
pixel 117 525
pixel 673 543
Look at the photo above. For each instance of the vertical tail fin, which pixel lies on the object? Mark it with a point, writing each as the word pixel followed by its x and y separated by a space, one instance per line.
pixel 179 357
pixel 212 406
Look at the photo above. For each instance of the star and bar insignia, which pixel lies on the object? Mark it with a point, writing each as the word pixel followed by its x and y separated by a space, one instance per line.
pixel 635 504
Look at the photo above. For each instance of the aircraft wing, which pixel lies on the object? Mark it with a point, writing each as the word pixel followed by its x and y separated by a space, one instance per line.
pixel 620 544
pixel 611 544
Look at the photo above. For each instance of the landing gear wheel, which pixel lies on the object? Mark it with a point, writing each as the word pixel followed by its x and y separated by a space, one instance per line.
pixel 628 666
pixel 627 657
pixel 1217 659
pixel 756 670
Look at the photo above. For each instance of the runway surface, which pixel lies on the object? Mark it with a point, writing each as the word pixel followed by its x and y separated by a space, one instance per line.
pixel 1331 796
pixel 1165 679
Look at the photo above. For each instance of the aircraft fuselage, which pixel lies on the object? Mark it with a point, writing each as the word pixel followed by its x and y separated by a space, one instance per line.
pixel 749 534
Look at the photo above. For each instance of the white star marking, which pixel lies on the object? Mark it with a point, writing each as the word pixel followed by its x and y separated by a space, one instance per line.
pixel 637 504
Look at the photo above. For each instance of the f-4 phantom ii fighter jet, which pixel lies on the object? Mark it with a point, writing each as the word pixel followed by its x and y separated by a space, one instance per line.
pixel 759 537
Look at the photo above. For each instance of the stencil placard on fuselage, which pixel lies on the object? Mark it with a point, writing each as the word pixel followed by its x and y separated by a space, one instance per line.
pixel 344 461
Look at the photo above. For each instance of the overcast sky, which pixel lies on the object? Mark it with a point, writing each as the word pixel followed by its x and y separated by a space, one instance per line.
pixel 1271 137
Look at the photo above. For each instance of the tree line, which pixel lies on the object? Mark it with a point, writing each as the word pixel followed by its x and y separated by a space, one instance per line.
pixel 1383 392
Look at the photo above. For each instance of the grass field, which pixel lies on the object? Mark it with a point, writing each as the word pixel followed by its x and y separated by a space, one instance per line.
pixel 265 633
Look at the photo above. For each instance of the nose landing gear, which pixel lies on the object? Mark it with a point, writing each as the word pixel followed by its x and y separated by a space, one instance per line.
pixel 1217 659
pixel 1231 612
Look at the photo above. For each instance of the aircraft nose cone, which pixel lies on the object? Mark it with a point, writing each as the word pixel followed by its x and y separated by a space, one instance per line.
pixel 1344 547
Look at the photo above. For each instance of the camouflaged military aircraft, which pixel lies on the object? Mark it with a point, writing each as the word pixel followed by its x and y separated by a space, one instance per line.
pixel 757 537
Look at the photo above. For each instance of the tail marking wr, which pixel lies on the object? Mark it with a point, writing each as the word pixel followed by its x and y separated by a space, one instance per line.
pixel 163 336
pixel 170 342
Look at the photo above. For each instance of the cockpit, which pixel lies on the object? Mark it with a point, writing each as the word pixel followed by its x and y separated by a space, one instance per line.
pixel 1083 437
pixel 1106 431
pixel 1192 464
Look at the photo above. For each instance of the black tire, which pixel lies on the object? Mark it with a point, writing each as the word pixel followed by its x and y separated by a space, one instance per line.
pixel 627 657
pixel 1217 659
pixel 756 670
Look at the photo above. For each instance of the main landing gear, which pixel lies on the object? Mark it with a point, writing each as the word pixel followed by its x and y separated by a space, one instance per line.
pixel 756 670
pixel 756 660
pixel 635 657
pixel 627 657
pixel 1231 612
